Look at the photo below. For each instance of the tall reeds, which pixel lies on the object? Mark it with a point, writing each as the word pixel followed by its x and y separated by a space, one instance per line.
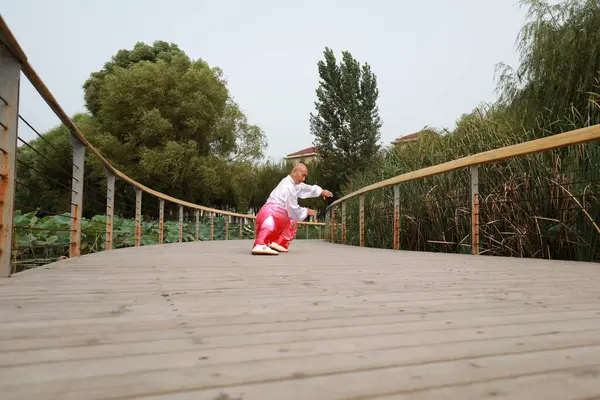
pixel 544 205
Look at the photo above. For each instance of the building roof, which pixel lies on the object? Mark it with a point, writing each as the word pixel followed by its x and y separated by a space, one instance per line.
pixel 414 136
pixel 304 152
pixel 407 137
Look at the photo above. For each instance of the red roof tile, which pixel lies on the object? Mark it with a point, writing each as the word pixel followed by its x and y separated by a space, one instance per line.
pixel 415 135
pixel 308 150
pixel 407 137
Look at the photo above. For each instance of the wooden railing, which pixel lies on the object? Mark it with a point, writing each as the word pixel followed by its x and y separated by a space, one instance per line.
pixel 13 62
pixel 471 164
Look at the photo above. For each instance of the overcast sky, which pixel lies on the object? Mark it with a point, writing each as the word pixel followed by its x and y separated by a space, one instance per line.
pixel 434 59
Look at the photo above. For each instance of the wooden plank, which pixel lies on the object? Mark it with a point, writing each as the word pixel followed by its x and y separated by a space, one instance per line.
pixel 197 368
pixel 188 338
pixel 364 326
pixel 19 334
pixel 402 379
pixel 194 320
pixel 50 321
pixel 548 386
pixel 171 321
pixel 237 305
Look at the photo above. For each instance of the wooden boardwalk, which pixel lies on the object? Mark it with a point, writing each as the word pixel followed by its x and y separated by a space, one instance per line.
pixel 207 320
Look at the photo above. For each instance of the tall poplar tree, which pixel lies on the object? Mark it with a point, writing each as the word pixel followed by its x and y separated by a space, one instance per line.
pixel 346 125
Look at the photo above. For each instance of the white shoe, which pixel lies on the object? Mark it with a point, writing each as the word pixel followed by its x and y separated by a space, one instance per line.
pixel 264 249
pixel 277 247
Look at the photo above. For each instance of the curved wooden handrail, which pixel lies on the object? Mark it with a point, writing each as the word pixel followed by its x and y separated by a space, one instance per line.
pixel 8 39
pixel 570 138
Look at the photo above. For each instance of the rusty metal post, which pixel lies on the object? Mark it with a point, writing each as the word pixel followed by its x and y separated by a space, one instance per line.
pixel 332 224
pixel 227 227
pixel 138 216
pixel 180 223
pixel 161 220
pixel 474 173
pixel 110 208
pixel 76 195
pixel 242 228
pixel 344 222
pixel 10 75
pixel 197 212
pixel 396 217
pixel 307 231
pixel 362 220
pixel 212 226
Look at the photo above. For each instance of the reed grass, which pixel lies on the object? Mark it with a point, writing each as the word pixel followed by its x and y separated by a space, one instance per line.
pixel 544 205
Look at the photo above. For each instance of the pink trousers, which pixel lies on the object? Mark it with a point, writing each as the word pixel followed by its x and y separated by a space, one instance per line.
pixel 274 225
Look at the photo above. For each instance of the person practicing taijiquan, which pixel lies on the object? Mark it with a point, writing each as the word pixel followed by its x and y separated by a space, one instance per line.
pixel 277 221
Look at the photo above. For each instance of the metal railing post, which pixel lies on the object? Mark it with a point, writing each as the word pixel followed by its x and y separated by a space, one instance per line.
pixel 76 195
pixel 110 209
pixel 362 220
pixel 332 224
pixel 212 226
pixel 180 223
pixel 161 221
pixel 242 228
pixel 138 216
pixel 396 217
pixel 10 75
pixel 197 212
pixel 227 227
pixel 344 222
pixel 474 178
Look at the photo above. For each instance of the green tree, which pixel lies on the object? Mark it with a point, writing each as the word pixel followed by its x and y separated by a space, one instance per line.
pixel 165 120
pixel 559 71
pixel 170 123
pixel 124 59
pixel 346 125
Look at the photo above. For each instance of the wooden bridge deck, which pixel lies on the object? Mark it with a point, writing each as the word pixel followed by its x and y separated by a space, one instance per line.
pixel 207 320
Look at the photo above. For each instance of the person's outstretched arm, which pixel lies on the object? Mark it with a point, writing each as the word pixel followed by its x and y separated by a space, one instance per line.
pixel 310 191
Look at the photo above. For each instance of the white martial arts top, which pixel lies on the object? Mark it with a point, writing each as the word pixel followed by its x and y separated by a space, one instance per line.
pixel 286 195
